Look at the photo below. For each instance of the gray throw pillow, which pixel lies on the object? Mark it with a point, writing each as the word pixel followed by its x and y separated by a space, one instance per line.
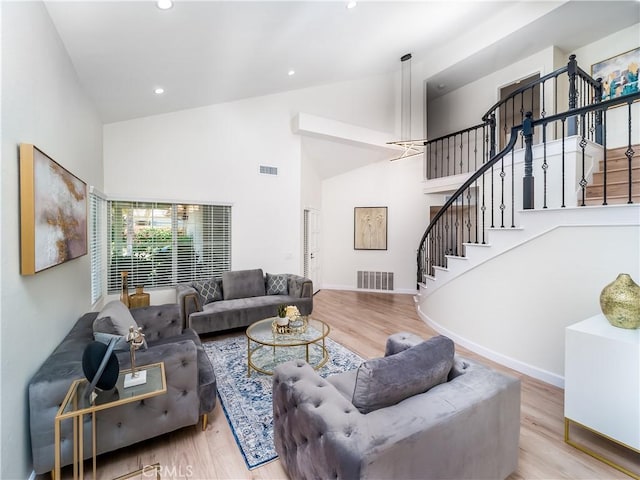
pixel 385 381
pixel 209 290
pixel 277 284
pixel 243 284
pixel 115 319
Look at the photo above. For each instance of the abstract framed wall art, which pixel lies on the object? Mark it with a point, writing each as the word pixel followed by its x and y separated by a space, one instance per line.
pixel 370 228
pixel 619 74
pixel 53 212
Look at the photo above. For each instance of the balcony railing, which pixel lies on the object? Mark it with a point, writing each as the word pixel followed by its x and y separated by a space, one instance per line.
pixel 490 197
pixel 463 151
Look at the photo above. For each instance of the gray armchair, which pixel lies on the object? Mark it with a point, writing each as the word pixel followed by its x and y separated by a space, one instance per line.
pixel 191 388
pixel 466 427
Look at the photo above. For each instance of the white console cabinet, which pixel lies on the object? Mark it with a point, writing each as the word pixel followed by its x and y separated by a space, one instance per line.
pixel 602 381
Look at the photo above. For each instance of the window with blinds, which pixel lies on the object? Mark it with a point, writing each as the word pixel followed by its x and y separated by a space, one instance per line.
pixel 97 237
pixel 162 244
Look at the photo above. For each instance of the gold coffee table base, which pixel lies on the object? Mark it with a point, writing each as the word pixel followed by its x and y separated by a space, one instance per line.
pixel 252 366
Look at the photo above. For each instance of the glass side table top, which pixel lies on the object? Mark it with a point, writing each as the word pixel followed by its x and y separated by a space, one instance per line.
pixel 262 332
pixel 77 402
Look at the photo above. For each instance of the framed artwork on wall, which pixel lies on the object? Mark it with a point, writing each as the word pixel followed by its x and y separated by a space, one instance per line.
pixel 619 74
pixel 53 212
pixel 370 228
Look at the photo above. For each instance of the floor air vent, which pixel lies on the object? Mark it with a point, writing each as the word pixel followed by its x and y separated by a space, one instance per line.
pixel 267 170
pixel 375 280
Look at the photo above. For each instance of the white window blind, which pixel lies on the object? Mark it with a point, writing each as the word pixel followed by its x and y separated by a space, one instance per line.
pixel 97 237
pixel 161 244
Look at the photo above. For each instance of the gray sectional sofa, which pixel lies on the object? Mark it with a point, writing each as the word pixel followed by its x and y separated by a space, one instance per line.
pixel 371 423
pixel 239 298
pixel 191 388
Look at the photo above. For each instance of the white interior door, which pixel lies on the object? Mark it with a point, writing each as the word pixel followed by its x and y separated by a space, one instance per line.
pixel 312 247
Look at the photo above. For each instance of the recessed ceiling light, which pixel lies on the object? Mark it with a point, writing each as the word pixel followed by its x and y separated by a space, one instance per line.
pixel 291 73
pixel 351 5
pixel 164 4
pixel 158 91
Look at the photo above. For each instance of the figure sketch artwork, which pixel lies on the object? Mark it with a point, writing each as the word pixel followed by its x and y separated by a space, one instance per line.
pixel 370 228
pixel 53 212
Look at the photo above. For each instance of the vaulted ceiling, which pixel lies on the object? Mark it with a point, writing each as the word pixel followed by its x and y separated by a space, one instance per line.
pixel 206 52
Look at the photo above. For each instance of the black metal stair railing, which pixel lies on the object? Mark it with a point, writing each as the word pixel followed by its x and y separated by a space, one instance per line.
pixel 463 151
pixel 490 196
pixel 456 153
pixel 581 89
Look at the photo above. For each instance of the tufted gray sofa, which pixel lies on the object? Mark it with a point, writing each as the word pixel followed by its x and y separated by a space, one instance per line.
pixel 467 427
pixel 244 301
pixel 191 388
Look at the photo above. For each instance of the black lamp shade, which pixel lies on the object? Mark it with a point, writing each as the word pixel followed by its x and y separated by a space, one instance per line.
pixel 92 358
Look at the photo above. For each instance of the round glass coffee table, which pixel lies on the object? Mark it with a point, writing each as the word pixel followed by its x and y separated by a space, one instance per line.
pixel 266 348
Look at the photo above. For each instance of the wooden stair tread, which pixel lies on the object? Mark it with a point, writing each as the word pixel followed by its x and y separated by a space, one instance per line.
pixel 617 182
pixel 617 163
pixel 612 200
pixel 621 150
pixel 613 176
pixel 619 169
pixel 597 191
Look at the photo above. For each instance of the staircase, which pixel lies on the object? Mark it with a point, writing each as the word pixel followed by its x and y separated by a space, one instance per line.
pixel 513 257
pixel 617 169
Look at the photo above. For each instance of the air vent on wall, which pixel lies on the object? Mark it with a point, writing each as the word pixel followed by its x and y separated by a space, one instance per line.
pixel 267 170
pixel 375 280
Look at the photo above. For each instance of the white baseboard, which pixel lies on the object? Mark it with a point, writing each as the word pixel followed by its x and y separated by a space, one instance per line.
pixel 403 291
pixel 522 367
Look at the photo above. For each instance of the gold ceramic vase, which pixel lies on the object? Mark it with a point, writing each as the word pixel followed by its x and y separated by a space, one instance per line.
pixel 620 302
pixel 139 299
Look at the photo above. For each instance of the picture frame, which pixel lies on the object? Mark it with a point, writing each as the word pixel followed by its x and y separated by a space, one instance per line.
pixel 53 212
pixel 619 73
pixel 370 228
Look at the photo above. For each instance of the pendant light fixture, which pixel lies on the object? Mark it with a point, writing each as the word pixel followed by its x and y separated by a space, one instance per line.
pixel 410 147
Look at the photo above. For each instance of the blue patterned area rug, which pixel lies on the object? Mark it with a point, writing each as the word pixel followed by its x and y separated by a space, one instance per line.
pixel 246 401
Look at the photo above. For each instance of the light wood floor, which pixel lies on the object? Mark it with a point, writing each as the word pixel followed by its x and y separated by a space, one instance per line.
pixel 362 322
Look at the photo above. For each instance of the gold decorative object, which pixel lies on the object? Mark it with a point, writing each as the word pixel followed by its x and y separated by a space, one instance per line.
pixel 296 326
pixel 620 302
pixel 139 299
pixel 124 295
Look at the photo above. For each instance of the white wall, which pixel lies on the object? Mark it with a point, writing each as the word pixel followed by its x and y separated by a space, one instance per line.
pixel 43 104
pixel 212 154
pixel 619 42
pixel 396 185
pixel 464 107
pixel 535 291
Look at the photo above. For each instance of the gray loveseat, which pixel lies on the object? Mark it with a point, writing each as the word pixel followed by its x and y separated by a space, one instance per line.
pixel 191 388
pixel 464 428
pixel 239 298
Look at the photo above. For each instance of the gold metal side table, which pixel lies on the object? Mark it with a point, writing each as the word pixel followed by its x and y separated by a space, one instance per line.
pixel 75 406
